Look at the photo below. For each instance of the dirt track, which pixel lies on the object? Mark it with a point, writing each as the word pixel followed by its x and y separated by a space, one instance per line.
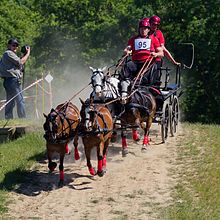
pixel 133 187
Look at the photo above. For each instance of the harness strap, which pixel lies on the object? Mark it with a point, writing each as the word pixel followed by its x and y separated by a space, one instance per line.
pixel 63 117
pixel 138 106
pixel 101 116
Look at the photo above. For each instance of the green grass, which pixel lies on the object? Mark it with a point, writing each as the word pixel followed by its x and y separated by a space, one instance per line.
pixel 15 158
pixel 21 122
pixel 197 194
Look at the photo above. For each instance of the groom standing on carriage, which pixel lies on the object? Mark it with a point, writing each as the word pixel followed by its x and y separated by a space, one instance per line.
pixel 143 48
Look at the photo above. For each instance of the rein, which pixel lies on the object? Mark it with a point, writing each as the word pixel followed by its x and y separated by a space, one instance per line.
pixel 119 98
pixel 142 71
pixel 70 122
pixel 120 61
pixel 78 92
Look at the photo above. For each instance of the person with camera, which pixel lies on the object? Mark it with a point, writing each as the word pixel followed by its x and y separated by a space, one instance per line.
pixel 11 70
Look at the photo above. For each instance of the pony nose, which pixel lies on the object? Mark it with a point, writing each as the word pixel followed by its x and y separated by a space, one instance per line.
pixel 98 94
pixel 98 90
pixel 88 125
pixel 124 98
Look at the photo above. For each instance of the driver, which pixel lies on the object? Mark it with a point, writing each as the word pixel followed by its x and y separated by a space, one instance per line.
pixel 143 48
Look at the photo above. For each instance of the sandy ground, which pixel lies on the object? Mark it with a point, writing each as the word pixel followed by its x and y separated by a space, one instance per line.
pixel 134 187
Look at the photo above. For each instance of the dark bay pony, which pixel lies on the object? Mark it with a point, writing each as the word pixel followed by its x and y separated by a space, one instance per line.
pixel 140 108
pixel 96 129
pixel 60 128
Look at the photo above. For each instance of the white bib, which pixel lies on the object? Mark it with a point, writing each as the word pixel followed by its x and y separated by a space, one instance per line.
pixel 142 44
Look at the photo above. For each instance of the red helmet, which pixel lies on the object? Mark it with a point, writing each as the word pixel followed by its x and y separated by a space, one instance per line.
pixel 144 22
pixel 154 19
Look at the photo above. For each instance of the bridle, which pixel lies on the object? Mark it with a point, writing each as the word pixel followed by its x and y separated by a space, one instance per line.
pixel 57 119
pixel 95 73
pixel 91 120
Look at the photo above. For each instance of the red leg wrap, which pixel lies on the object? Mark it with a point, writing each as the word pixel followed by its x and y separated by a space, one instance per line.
pixel 100 166
pixel 66 149
pixel 124 142
pixel 104 161
pixel 135 135
pixel 146 140
pixel 92 171
pixel 76 153
pixel 62 175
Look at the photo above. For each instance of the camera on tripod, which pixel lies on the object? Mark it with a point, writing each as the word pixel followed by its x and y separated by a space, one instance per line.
pixel 24 49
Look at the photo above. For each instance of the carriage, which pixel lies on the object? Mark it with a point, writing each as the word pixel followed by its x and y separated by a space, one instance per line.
pixel 160 104
pixel 168 111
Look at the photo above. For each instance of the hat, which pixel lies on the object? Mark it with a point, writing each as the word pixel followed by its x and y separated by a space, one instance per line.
pixel 13 41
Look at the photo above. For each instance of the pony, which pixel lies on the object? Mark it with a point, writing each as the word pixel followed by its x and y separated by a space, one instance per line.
pixel 96 129
pixel 139 111
pixel 106 90
pixel 61 126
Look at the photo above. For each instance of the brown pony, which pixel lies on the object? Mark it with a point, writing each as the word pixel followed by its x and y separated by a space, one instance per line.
pixel 96 128
pixel 60 128
pixel 139 112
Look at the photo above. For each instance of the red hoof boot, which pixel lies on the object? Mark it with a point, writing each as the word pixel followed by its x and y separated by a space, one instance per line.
pixel 67 151
pixel 135 136
pixel 76 154
pixel 92 171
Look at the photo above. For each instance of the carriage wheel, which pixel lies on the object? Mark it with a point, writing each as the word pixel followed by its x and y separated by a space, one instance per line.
pixel 165 123
pixel 174 116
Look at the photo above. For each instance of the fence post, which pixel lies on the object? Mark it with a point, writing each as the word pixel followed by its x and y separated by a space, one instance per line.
pixel 49 79
pixel 43 101
pixel 36 100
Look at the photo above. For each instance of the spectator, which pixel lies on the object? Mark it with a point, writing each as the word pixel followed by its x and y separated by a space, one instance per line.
pixel 11 71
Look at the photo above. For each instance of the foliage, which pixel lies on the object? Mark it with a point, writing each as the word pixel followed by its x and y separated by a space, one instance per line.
pixel 84 32
pixel 92 36
pixel 199 24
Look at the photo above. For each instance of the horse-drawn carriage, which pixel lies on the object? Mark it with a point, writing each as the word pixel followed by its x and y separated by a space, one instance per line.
pixel 110 108
pixel 166 95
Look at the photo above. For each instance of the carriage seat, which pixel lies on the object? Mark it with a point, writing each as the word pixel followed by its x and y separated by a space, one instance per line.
pixel 172 86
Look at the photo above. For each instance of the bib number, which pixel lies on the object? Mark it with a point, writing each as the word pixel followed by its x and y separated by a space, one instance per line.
pixel 142 44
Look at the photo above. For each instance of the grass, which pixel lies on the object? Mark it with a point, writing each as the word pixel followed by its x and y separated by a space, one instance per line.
pixel 197 193
pixel 21 122
pixel 15 159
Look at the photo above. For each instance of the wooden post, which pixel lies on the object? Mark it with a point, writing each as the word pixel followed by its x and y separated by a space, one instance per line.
pixel 43 101
pixel 36 100
pixel 50 95
pixel 49 79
